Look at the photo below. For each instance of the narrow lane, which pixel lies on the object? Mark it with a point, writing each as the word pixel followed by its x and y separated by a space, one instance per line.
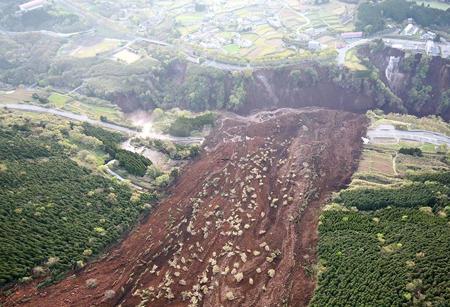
pixel 83 118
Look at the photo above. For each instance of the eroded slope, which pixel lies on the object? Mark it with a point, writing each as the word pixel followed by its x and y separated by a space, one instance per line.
pixel 240 227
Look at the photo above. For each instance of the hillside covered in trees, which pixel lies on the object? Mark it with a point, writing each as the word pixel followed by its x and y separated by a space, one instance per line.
pixel 372 16
pixel 394 252
pixel 55 213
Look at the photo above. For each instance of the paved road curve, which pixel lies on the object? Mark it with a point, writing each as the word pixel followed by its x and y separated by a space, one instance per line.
pixel 378 134
pixel 70 115
pixel 84 118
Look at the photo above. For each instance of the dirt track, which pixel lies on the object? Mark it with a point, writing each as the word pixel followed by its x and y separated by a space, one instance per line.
pixel 239 228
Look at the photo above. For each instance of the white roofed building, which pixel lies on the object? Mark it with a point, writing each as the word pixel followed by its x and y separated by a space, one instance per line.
pixel 314 46
pixel 431 48
pixel 32 5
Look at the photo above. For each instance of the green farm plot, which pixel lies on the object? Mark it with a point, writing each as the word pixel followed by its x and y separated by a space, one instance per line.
pixel 95 49
pixel 232 49
pixel 58 100
pixel 94 110
pixel 250 36
pixel 428 163
pixel 352 61
pixel 189 19
pixel 185 30
pixel 17 96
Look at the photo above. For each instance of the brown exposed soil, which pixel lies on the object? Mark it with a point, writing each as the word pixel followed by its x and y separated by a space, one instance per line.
pixel 240 226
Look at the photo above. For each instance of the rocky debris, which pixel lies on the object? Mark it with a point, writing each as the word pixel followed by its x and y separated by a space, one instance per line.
pixel 230 296
pixel 91 283
pixel 238 222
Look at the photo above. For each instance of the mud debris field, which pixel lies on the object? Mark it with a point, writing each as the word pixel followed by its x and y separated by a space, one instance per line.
pixel 239 227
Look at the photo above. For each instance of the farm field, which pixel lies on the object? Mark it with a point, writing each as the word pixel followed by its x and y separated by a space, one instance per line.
pixel 95 49
pixel 58 100
pixel 378 236
pixel 93 108
pixel 96 110
pixel 222 31
pixel 382 163
pixel 126 56
pixel 352 61
pixel 16 96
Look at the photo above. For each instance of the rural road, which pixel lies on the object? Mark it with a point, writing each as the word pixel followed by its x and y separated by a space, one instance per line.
pixel 84 118
pixel 383 132
pixel 343 51
pixel 48 33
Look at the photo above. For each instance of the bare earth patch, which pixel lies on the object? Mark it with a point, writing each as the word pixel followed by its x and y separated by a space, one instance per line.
pixel 240 226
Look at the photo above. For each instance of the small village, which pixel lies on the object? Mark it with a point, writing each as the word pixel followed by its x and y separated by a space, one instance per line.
pixel 251 30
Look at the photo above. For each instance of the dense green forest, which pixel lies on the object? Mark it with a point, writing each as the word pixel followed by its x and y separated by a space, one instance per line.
pixel 391 257
pixel 55 214
pixel 132 162
pixel 409 195
pixel 393 253
pixel 411 151
pixel 50 18
pixel 172 150
pixel 184 126
pixel 372 16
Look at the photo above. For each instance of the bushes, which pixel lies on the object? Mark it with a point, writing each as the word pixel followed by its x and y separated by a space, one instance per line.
pixel 184 126
pixel 162 180
pixel 175 151
pixel 304 77
pixel 40 99
pixel 417 152
pixel 132 162
pixel 371 16
pixel 441 177
pixel 357 273
pixel 107 137
pixel 55 214
pixel 413 195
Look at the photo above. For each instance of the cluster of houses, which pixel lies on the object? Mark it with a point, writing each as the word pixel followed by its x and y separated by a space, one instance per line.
pixel 212 39
pixel 414 30
pixel 212 24
pixel 417 39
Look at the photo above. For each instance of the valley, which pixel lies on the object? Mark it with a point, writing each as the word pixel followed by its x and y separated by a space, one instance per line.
pixel 255 201
pixel 224 153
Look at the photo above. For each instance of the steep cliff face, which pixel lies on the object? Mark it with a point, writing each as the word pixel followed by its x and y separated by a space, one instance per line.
pixel 412 84
pixel 272 89
pixel 418 80
pixel 199 88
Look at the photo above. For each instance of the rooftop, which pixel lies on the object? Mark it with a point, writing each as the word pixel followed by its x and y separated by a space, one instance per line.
pixel 32 5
